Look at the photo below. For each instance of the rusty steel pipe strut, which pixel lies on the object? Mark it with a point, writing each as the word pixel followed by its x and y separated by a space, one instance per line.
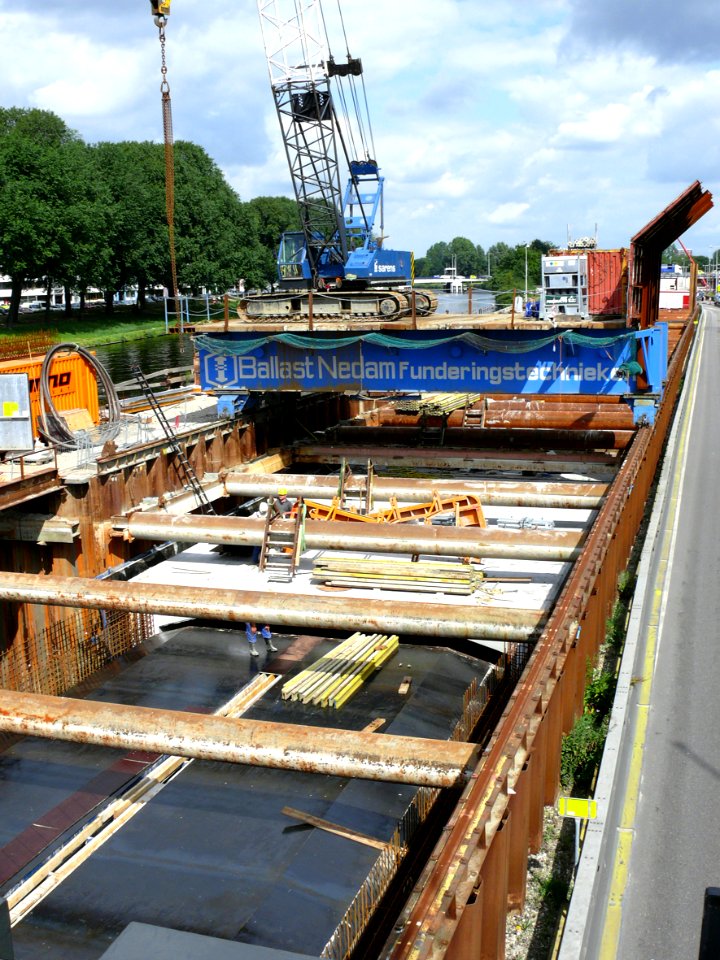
pixel 491 492
pixel 281 609
pixel 338 753
pixel 475 542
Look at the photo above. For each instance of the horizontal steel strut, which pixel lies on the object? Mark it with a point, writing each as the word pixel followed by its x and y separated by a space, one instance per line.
pixel 280 609
pixel 505 493
pixel 408 539
pixel 341 753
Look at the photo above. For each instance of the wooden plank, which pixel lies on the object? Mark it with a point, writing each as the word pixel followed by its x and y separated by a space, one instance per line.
pixel 374 725
pixel 399 585
pixel 405 686
pixel 335 828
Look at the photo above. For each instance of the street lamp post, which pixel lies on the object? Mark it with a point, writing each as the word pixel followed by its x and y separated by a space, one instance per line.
pixel 526 272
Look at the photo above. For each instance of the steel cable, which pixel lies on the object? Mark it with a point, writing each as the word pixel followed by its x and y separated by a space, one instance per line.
pixel 54 428
pixel 169 165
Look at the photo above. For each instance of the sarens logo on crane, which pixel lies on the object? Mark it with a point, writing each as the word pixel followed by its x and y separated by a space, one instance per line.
pixel 384 268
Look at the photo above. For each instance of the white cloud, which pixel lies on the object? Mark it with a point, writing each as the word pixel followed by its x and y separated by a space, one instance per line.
pixel 507 212
pixel 494 121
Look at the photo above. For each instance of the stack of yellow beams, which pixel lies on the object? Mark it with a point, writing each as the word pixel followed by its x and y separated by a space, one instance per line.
pixel 334 678
pixel 424 577
pixel 437 403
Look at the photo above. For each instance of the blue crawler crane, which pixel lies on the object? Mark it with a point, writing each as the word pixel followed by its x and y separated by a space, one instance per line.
pixel 339 254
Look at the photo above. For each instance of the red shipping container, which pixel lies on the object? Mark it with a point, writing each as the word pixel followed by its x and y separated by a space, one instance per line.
pixel 73 385
pixel 607 282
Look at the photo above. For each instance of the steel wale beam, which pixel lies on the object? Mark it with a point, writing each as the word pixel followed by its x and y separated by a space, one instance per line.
pixel 476 542
pixel 437 904
pixel 323 750
pixel 600 465
pixel 448 621
pixel 504 493
pixel 478 438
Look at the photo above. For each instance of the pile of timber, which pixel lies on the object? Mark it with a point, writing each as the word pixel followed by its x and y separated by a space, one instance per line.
pixel 334 678
pixel 436 404
pixel 430 576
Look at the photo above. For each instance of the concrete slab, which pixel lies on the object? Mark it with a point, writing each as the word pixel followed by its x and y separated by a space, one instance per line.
pixel 140 941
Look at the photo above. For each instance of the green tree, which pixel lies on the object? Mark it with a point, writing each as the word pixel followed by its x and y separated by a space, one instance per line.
pixel 271 217
pixel 465 254
pixel 35 164
pixel 210 224
pixel 438 257
pixel 134 176
pixel 85 217
pixel 508 268
pixel 213 231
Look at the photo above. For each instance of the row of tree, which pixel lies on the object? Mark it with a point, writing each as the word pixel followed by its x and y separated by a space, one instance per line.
pixel 94 216
pixel 506 268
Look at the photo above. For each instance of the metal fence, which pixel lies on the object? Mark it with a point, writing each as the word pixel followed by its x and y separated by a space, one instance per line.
pixel 27 344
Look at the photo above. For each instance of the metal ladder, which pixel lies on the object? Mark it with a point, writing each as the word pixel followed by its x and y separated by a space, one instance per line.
pixel 281 549
pixel 187 468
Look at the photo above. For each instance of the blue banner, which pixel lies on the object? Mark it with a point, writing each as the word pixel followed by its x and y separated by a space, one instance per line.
pixel 410 361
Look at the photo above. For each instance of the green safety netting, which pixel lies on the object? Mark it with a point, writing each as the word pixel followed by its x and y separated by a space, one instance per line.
pixel 239 348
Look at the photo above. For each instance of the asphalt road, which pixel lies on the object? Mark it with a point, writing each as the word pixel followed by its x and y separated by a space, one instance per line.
pixel 676 848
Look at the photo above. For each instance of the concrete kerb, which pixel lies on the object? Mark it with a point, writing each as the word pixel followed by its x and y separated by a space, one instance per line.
pixel 586 913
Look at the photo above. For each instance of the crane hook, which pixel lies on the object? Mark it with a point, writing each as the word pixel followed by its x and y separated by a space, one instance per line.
pixel 160 11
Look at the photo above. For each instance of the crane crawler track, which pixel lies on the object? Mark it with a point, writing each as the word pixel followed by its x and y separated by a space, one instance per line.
pixel 384 304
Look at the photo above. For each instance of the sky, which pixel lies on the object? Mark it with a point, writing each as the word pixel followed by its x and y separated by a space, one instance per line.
pixel 495 121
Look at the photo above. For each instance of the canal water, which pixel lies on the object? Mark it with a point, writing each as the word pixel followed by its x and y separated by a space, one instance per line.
pixel 481 302
pixel 152 354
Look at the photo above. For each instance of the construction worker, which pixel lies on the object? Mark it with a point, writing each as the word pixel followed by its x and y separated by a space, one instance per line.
pixel 281 504
pixel 259 514
pixel 251 632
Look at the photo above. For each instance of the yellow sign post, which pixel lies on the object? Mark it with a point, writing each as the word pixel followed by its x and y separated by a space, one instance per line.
pixel 579 808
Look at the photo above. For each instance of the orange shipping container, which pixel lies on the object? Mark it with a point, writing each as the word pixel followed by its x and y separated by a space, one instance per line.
pixel 607 282
pixel 73 385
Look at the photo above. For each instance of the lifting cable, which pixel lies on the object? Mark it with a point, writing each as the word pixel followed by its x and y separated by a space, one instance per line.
pixel 362 117
pixel 161 9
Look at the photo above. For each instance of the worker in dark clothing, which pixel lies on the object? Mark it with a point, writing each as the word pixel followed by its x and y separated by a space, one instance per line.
pixel 281 504
pixel 251 632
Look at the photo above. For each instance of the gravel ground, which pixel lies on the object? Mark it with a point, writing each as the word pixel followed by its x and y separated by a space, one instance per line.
pixel 531 934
